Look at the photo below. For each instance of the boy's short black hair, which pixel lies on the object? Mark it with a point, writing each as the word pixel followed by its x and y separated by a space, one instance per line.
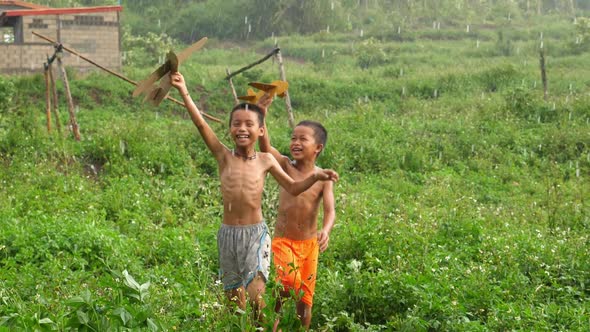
pixel 320 134
pixel 248 107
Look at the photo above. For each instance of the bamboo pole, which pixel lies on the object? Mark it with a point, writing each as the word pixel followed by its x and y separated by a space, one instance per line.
pixel 47 98
pixel 273 52
pixel 287 98
pixel 54 96
pixel 233 89
pixel 116 74
pixel 73 122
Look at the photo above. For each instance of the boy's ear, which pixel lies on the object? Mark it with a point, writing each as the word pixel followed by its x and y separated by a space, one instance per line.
pixel 318 148
pixel 262 130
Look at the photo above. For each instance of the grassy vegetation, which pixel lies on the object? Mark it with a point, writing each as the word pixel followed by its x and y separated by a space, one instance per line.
pixel 462 206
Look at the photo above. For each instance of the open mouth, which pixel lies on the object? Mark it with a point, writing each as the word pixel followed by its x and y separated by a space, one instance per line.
pixel 296 150
pixel 242 136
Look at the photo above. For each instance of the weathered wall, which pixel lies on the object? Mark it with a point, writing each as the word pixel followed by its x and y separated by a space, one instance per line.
pixel 95 36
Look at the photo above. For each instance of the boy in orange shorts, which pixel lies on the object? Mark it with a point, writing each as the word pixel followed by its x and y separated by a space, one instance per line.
pixel 297 241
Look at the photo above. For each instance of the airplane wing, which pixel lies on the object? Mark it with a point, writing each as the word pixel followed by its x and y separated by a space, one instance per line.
pixel 251 97
pixel 274 88
pixel 191 49
pixel 156 95
pixel 145 85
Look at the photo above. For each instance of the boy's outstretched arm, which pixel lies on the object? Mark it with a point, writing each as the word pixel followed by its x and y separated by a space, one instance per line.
pixel 264 140
pixel 297 187
pixel 213 143
pixel 329 216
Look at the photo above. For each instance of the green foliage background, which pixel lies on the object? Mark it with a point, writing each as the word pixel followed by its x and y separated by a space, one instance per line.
pixel 463 200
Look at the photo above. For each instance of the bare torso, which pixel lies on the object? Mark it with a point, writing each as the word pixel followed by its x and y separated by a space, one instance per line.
pixel 242 183
pixel 297 217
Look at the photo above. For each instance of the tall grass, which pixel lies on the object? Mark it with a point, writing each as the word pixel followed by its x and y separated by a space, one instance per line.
pixel 462 203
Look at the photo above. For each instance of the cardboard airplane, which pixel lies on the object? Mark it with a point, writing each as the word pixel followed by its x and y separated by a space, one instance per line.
pixel 276 88
pixel 155 94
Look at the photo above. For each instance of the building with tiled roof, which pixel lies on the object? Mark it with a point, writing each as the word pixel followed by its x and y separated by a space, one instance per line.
pixel 92 31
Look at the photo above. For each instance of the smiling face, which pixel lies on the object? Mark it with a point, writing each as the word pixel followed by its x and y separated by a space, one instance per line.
pixel 245 128
pixel 303 144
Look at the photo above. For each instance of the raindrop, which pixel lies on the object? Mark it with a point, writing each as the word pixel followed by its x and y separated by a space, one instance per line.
pixel 539 121
pixel 366 99
pixel 509 17
pixel 541 35
pixel 362 33
pixel 332 5
pixel 401 72
pixel 439 154
pixel 570 116
pixel 245 19
pixel 229 207
pixel 159 23
pixel 477 44
pixel 122 146
pixel 403 159
pixel 518 51
pixel 403 90
pixel 472 148
pixel 77 109
pixel 323 53
pixel 534 84
pixel 399 30
pixel 437 25
pixel 435 93
pixel 541 44
pixel 249 28
pixel 328 29
pixel 553 107
pixel 467 29
pixel 571 88
pixel 483 95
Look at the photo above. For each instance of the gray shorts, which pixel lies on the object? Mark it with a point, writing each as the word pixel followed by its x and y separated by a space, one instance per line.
pixel 243 252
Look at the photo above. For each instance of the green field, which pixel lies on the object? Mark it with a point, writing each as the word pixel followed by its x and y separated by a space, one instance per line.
pixel 463 204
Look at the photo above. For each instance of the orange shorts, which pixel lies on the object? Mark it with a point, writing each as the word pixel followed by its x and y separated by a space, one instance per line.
pixel 296 262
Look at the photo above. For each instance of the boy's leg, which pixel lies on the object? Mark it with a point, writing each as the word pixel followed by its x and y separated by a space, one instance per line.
pixel 256 289
pixel 237 296
pixel 304 313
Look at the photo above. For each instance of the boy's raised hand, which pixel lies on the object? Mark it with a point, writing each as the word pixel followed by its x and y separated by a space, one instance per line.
pixel 326 174
pixel 177 81
pixel 264 102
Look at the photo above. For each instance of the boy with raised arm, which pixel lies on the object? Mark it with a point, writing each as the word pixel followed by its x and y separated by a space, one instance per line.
pixel 243 241
pixel 297 241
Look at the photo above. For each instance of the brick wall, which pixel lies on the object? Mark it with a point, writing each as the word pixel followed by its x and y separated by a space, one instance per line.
pixel 95 36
